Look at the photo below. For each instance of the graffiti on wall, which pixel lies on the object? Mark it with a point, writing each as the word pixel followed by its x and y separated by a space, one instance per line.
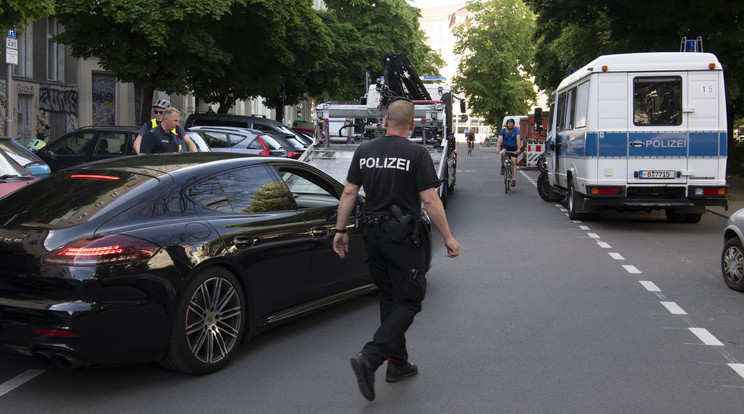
pixel 3 106
pixel 58 100
pixel 104 98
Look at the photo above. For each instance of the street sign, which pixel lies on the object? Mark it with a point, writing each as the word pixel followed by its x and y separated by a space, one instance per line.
pixel 12 33
pixel 11 43
pixel 11 56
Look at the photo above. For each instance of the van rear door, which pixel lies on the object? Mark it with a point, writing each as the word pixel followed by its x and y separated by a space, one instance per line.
pixel 658 137
pixel 707 126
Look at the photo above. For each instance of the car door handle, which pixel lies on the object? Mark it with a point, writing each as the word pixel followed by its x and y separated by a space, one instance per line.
pixel 320 232
pixel 244 242
pixel 637 144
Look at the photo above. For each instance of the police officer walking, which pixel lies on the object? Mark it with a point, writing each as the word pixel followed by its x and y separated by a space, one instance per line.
pixel 397 176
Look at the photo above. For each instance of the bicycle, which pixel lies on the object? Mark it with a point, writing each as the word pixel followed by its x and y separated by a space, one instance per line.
pixel 508 177
pixel 471 144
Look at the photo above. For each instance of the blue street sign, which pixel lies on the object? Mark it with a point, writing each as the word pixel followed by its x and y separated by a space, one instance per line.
pixel 11 33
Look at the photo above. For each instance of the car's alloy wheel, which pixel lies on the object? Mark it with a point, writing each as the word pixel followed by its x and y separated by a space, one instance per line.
pixel 732 264
pixel 209 323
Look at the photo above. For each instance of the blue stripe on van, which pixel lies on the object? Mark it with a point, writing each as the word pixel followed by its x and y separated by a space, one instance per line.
pixel 613 144
pixel 704 144
pixel 655 144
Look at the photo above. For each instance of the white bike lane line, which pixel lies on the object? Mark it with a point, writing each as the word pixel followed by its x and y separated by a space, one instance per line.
pixel 702 334
pixel 19 380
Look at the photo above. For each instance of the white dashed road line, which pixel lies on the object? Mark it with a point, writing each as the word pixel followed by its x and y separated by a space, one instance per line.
pixel 19 380
pixel 706 336
pixel 673 308
pixel 701 333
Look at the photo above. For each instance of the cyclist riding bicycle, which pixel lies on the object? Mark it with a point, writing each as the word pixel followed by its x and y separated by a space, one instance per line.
pixel 471 141
pixel 509 140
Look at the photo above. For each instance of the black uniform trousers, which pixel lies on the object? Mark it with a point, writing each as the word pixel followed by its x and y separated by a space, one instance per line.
pixel 394 267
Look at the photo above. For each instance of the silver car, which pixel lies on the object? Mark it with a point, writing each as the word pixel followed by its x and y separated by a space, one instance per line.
pixel 732 258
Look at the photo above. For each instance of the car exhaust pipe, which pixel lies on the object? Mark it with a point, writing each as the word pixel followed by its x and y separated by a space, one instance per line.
pixel 44 357
pixel 64 360
pixel 59 359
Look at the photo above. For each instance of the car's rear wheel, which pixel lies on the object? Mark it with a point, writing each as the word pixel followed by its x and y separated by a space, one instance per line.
pixel 208 323
pixel 732 264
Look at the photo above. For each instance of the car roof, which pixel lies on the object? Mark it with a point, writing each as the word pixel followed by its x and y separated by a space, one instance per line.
pixel 225 129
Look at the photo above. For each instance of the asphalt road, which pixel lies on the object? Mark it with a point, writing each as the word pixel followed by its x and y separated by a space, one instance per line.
pixel 539 314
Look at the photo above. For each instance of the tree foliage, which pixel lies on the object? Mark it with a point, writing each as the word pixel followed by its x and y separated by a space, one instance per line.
pixel 387 26
pixel 147 42
pixel 573 32
pixel 497 58
pixel 268 42
pixel 18 13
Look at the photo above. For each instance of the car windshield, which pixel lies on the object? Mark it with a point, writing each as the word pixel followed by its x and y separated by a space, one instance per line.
pixel 19 154
pixel 67 199
pixel 9 167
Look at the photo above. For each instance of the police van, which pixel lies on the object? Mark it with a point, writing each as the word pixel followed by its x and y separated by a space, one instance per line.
pixel 641 131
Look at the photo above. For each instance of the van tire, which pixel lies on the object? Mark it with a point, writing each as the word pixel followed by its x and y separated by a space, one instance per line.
pixel 574 199
pixel 674 217
pixel 545 190
pixel 693 218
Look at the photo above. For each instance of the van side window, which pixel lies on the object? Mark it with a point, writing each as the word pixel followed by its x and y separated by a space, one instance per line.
pixel 657 100
pixel 566 110
pixel 582 105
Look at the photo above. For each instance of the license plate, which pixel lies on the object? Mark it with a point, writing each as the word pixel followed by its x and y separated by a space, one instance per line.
pixel 663 174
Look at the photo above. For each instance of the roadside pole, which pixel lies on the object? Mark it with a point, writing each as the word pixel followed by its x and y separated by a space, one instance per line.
pixel 11 58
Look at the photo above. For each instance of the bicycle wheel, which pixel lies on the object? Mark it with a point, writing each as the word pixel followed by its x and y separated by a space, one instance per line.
pixel 507 177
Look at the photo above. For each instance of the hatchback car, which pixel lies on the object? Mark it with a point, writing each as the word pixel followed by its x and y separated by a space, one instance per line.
pixel 12 177
pixel 169 257
pixel 732 257
pixel 259 123
pixel 90 144
pixel 27 159
pixel 248 141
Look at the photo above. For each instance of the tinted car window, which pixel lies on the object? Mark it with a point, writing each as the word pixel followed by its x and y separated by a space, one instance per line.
pixel 76 144
pixel 62 200
pixel 271 142
pixel 306 192
pixel 657 101
pixel 112 143
pixel 244 190
pixel 215 139
pixel 255 144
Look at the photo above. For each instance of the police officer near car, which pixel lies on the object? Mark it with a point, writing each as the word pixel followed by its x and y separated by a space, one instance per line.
pixel 398 176
pixel 162 139
pixel 159 108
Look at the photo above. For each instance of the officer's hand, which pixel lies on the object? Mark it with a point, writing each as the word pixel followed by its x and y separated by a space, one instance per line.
pixel 453 247
pixel 341 244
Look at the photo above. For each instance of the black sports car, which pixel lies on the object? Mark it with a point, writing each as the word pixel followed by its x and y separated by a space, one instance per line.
pixel 173 258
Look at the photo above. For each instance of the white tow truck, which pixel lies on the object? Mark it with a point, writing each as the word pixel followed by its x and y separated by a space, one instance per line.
pixel 340 127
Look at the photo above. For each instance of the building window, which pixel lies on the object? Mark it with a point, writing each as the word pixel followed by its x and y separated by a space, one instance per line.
pixel 104 99
pixel 24 68
pixel 54 53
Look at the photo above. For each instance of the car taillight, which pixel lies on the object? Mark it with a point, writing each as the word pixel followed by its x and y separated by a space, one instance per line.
pixel 293 154
pixel 605 190
pixel 711 191
pixel 107 250
pixel 265 153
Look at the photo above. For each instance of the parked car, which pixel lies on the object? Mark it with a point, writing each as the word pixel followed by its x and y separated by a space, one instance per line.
pixel 248 141
pixel 90 144
pixel 27 159
pixel 259 123
pixel 171 258
pixel 732 257
pixel 12 177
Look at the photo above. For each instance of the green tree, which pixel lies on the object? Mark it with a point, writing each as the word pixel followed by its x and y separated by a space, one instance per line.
pixel 268 43
pixel 388 26
pixel 18 13
pixel 496 45
pixel 619 26
pixel 150 43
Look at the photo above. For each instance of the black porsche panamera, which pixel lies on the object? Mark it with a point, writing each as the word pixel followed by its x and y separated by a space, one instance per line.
pixel 171 258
